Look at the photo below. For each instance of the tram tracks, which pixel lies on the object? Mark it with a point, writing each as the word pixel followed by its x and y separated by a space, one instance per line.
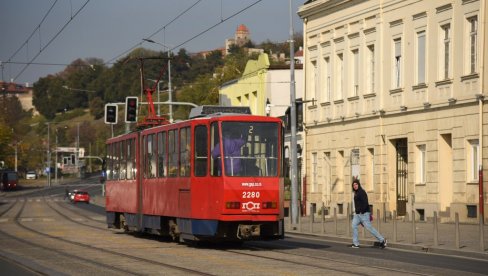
pixel 66 246
pixel 321 262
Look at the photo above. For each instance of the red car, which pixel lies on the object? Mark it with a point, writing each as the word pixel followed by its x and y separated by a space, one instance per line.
pixel 81 196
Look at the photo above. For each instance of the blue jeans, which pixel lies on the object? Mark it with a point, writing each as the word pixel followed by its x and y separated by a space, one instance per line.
pixel 364 219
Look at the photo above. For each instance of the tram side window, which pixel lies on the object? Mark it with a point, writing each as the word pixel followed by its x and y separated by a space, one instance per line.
pixel 173 153
pixel 109 162
pixel 130 158
pixel 144 158
pixel 151 155
pixel 185 151
pixel 116 160
pixel 214 142
pixel 162 164
pixel 123 160
pixel 201 151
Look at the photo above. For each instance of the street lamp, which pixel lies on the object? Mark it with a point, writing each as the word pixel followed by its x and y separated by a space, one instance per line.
pixel 169 76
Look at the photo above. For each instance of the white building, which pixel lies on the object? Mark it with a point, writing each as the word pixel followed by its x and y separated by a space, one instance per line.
pixel 401 104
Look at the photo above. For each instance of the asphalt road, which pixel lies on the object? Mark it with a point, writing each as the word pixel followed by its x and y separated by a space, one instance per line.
pixel 295 255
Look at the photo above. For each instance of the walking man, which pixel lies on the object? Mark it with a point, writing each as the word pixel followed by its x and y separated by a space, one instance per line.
pixel 362 216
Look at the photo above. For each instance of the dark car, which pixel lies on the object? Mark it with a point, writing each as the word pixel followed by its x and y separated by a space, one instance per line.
pixel 8 180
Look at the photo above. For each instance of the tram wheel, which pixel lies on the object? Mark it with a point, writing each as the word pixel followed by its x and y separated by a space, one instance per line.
pixel 123 224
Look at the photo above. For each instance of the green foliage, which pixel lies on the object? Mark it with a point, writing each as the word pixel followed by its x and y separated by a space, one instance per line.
pixel 69 115
pixel 97 108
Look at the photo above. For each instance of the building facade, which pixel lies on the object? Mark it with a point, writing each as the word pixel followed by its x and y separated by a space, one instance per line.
pixel 400 88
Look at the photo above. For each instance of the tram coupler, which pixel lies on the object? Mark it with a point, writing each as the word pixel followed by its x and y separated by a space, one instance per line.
pixel 245 231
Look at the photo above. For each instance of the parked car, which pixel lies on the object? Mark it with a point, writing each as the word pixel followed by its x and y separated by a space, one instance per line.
pixel 31 175
pixel 80 196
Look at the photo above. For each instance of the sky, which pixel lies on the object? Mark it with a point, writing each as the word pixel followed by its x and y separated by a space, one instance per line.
pixel 50 34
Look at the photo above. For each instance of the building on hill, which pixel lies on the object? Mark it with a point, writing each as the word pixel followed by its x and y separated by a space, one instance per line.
pixel 23 93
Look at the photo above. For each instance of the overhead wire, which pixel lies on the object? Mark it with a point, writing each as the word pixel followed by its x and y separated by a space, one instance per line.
pixel 222 20
pixel 52 39
pixel 33 32
pixel 215 25
pixel 154 33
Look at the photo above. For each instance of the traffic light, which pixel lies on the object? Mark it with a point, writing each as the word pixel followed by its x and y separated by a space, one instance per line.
pixel 131 109
pixel 111 113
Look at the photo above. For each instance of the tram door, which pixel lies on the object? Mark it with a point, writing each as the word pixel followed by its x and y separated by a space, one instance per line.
pixel 401 176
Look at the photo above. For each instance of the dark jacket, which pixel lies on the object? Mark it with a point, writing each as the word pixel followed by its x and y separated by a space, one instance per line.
pixel 361 203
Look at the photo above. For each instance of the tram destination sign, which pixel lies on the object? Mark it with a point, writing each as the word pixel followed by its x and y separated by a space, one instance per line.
pixel 205 110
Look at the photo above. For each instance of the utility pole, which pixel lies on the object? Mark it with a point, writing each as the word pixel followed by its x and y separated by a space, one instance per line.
pixel 77 156
pixel 293 127
pixel 56 159
pixel 48 161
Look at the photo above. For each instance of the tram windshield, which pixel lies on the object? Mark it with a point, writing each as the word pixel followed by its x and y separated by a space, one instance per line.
pixel 250 149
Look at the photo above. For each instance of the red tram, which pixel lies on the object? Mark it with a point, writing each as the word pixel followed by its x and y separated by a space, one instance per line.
pixel 172 180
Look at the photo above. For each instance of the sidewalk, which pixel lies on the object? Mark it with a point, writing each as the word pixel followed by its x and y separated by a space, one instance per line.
pixel 420 239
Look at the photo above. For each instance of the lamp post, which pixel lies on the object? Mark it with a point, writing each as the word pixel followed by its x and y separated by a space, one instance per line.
pixel 48 161
pixel 169 76
pixel 56 160
pixel 293 150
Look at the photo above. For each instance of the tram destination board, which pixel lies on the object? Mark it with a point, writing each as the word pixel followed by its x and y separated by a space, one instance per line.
pixel 204 110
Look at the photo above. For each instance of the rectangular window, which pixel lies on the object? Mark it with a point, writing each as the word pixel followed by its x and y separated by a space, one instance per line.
pixel 173 153
pixel 370 169
pixel 110 161
pixel 472 211
pixel 446 48
pixel 473 42
pixel 370 69
pixel 215 162
pixel 185 150
pixel 123 161
pixel 421 57
pixel 152 155
pixel 314 172
pixel 340 76
pixel 130 158
pixel 339 171
pixel 313 82
pixel 355 161
pixel 355 71
pixel 201 151
pixel 115 161
pixel 327 80
pixel 398 63
pixel 473 159
pixel 421 164
pixel 162 159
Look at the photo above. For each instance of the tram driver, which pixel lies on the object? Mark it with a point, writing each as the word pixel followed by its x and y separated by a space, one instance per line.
pixel 233 141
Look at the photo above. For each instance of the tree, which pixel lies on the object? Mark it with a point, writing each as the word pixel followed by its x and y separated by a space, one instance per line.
pixel 97 108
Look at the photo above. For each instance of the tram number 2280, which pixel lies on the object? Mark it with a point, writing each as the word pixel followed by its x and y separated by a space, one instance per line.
pixel 250 194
